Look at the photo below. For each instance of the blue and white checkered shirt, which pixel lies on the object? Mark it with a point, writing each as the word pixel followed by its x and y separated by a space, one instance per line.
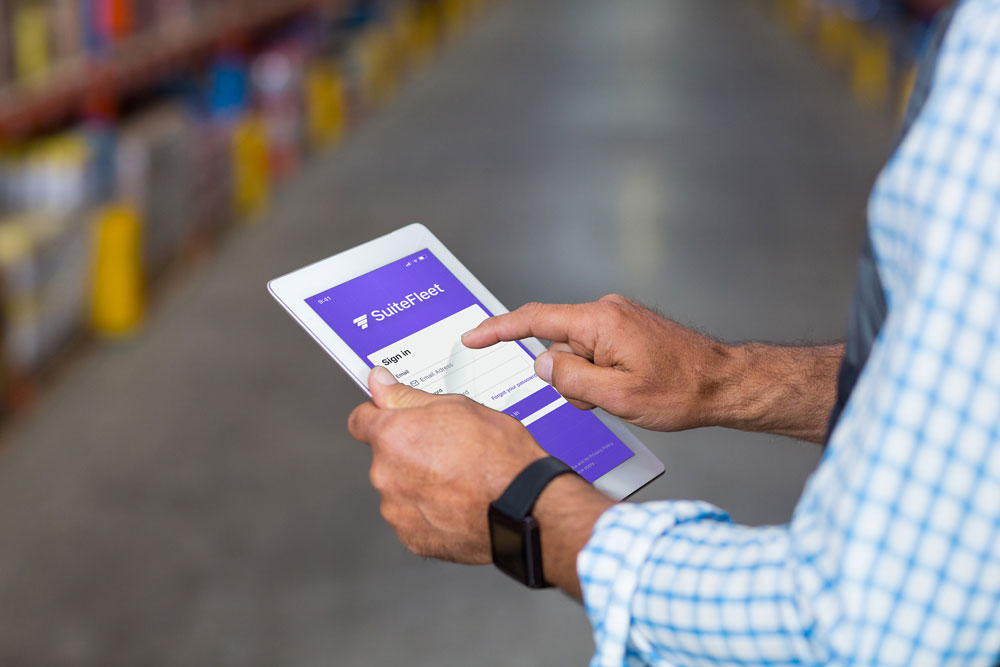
pixel 892 556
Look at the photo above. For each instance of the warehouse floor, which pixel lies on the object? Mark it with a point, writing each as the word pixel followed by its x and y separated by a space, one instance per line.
pixel 193 498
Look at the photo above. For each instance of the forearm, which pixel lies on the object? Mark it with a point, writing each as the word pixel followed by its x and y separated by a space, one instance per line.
pixel 773 389
pixel 659 375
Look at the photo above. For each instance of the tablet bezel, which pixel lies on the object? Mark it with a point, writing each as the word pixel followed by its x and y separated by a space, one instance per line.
pixel 291 291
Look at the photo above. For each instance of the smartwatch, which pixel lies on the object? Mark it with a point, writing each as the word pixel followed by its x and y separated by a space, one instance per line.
pixel 514 535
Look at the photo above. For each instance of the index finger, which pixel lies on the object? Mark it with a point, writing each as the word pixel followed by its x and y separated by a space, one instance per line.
pixel 561 323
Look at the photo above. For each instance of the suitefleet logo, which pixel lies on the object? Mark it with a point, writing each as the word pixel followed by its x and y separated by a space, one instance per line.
pixel 394 308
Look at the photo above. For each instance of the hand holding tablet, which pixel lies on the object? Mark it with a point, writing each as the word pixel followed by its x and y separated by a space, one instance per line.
pixel 403 302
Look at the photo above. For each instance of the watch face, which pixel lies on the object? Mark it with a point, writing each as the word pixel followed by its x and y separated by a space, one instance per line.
pixel 507 537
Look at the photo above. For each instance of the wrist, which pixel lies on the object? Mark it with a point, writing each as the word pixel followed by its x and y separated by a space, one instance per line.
pixel 566 512
pixel 721 392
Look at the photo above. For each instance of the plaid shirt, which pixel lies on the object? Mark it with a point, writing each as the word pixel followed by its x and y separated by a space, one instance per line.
pixel 893 553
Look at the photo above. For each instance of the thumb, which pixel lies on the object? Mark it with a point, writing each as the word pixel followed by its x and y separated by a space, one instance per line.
pixel 578 379
pixel 387 393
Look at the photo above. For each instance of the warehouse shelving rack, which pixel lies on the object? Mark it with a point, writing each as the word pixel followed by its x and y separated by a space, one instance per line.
pixel 98 81
pixel 349 76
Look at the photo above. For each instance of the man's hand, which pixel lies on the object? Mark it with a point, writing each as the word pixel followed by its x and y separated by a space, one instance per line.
pixel 621 356
pixel 439 461
pixel 655 373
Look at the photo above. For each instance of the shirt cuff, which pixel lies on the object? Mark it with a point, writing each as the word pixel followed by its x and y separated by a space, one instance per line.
pixel 610 564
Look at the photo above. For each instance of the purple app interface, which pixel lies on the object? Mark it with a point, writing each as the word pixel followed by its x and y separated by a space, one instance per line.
pixel 409 316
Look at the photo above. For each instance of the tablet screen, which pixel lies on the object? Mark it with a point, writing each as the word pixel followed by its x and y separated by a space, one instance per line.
pixel 409 316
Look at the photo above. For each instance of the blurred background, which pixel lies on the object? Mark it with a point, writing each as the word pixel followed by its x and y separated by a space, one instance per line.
pixel 177 486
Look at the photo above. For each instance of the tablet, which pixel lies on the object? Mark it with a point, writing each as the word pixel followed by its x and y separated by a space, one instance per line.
pixel 403 301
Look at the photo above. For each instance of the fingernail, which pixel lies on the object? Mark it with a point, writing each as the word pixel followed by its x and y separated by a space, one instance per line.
pixel 382 375
pixel 543 367
pixel 467 333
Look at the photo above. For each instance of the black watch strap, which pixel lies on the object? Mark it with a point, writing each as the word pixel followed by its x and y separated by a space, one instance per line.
pixel 517 501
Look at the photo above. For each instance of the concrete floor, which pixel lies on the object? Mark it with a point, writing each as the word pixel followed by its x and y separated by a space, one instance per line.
pixel 193 498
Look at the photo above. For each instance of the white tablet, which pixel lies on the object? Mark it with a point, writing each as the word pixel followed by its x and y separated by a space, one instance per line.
pixel 403 301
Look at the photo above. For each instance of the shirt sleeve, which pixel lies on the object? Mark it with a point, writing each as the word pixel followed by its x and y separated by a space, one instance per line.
pixel 678 583
pixel 893 553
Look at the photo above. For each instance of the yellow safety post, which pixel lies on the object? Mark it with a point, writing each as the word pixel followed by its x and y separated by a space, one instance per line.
pixel 416 46
pixel 19 308
pixel 399 38
pixel 251 171
pixel 835 36
pixel 31 40
pixel 854 39
pixel 426 31
pixel 20 291
pixel 872 73
pixel 402 19
pixel 327 107
pixel 454 15
pixel 118 288
pixel 378 76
